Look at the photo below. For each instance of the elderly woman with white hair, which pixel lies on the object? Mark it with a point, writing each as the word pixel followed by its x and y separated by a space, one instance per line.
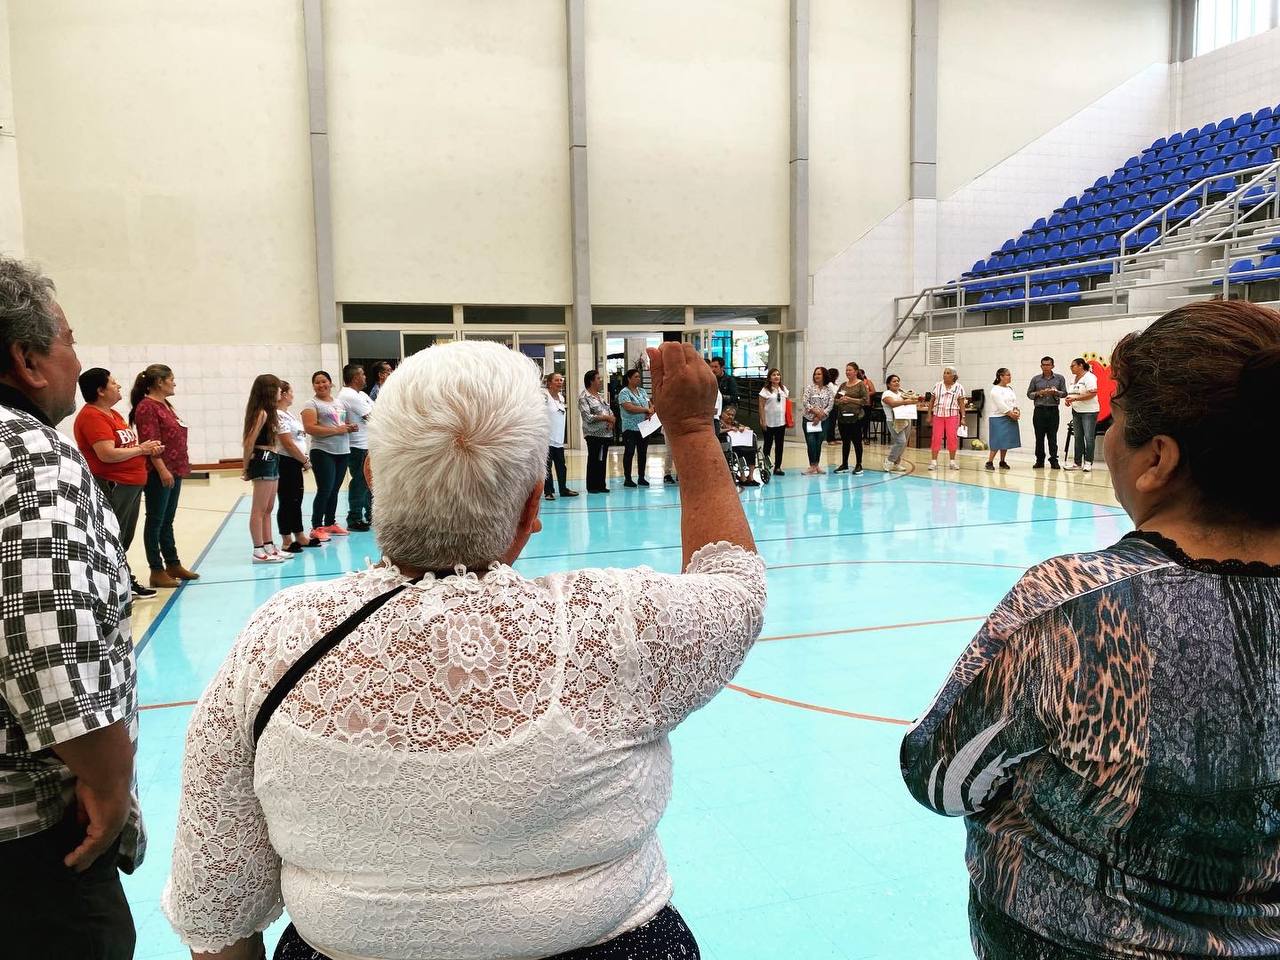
pixel 947 408
pixel 438 757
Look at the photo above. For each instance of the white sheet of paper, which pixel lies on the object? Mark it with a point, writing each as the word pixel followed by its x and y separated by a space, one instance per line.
pixel 811 427
pixel 962 431
pixel 907 411
pixel 649 426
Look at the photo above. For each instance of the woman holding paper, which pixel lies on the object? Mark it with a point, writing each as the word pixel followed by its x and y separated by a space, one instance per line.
pixel 899 415
pixel 817 408
pixel 1002 419
pixel 636 408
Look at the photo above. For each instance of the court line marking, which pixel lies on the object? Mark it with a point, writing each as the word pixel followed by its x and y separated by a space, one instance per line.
pixel 162 706
pixel 872 629
pixel 141 645
pixel 817 708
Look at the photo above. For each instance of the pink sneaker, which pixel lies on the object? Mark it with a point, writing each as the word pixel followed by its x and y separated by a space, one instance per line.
pixel 319 534
pixel 336 531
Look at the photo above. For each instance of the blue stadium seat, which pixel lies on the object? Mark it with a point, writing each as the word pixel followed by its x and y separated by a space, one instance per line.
pixel 1117 177
pixel 985 299
pixel 1264 114
pixel 1173 140
pixel 1125 221
pixel 1244 118
pixel 1141 239
pixel 1071 203
pixel 1242 271
pixel 1239 162
pixel 1109 247
pixel 1006 263
pixel 1122 206
pixel 1100 183
pixel 1209 127
pixel 1268 269
pixel 1160 198
pixel 1053 236
pixel 1107 225
pixel 1056 220
pixel 1272 139
pixel 1022 243
pixel 1255 195
pixel 1183 148
pixel 1071 251
pixel 1260 158
pixel 1051 291
pixel 1170 165
pixel 1272 244
pixel 1156 182
pixel 1160 142
pixel 1226 123
pixel 1184 209
pixel 1021 259
pixel 1007 246
pixel 1071 292
pixel 1222 137
pixel 1039 224
pixel 1054 254
pixel 1222 186
pixel 1263 127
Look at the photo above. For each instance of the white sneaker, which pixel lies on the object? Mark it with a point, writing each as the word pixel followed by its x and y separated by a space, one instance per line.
pixel 260 555
pixel 899 468
pixel 1069 466
pixel 272 551
pixel 954 465
pixel 933 464
pixel 1088 467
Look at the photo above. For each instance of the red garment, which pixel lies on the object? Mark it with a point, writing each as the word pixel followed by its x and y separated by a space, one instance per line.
pixel 156 420
pixel 94 424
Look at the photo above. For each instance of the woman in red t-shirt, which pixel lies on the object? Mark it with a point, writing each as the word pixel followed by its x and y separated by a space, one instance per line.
pixel 115 457
pixel 155 419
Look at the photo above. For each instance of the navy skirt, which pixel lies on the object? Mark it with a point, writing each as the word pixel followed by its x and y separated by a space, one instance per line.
pixel 1004 434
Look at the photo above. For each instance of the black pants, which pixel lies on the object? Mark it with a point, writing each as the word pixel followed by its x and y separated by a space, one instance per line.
pixel 289 497
pixel 157 529
pixel 359 499
pixel 665 937
pixel 633 444
pixel 1045 421
pixel 555 458
pixel 329 469
pixel 597 457
pixel 773 437
pixel 126 503
pixel 850 433
pixel 51 911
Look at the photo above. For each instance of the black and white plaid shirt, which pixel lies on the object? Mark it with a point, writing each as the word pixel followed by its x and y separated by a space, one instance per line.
pixel 66 655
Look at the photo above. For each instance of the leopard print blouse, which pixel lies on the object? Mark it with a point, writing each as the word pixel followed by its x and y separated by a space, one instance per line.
pixel 1112 737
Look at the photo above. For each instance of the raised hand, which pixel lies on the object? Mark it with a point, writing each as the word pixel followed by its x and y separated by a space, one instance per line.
pixel 684 388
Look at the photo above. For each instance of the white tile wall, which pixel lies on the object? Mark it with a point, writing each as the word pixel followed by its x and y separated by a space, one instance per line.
pixel 213 383
pixel 980 352
pixel 1235 78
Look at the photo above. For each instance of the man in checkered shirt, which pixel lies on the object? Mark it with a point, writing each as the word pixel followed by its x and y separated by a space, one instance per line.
pixel 68 710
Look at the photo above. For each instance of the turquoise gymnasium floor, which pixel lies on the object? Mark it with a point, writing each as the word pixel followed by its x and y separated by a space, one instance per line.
pixel 789 833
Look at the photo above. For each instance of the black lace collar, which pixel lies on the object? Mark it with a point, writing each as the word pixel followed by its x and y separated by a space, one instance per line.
pixel 1229 568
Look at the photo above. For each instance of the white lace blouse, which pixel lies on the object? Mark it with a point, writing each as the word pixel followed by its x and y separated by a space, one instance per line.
pixel 477 771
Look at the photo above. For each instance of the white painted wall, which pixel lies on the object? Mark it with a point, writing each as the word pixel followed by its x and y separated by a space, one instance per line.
pixel 1230 80
pixel 1007 198
pixel 11 241
pixel 163 163
pixel 859 119
pixel 1010 70
pixel 449 138
pixel 687 133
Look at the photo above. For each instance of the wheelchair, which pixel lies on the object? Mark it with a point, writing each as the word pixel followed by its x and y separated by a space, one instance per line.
pixel 745 459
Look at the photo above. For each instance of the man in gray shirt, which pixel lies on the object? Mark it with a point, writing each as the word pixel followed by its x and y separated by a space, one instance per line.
pixel 1046 389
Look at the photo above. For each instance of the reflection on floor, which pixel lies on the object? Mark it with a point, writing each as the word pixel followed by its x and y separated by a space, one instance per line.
pixel 789 833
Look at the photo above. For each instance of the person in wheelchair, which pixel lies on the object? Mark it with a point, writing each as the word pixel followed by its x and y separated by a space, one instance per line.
pixel 742 450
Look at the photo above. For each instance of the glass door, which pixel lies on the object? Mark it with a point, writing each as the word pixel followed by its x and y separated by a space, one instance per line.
pixel 415 342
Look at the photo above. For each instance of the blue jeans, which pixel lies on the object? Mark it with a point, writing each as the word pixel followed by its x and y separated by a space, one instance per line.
pixel 329 469
pixel 157 529
pixel 813 440
pixel 1084 427
pixel 359 499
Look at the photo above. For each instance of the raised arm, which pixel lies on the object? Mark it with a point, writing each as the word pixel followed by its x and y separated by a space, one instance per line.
pixel 684 392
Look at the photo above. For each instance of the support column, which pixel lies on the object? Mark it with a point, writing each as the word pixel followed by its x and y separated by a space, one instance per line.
pixel 798 309
pixel 12 242
pixel 581 353
pixel 924 142
pixel 313 23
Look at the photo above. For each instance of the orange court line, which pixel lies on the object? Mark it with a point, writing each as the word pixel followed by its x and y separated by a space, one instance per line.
pixel 161 706
pixel 890 626
pixel 816 707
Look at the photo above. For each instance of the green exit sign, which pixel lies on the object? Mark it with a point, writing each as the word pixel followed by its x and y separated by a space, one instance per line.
pixel 1017 334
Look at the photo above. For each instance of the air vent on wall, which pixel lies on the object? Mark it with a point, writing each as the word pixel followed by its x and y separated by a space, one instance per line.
pixel 941 350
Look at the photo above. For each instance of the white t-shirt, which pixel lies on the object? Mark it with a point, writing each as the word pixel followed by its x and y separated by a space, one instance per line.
pixel 555 419
pixel 359 406
pixel 775 407
pixel 1086 383
pixel 1003 399
pixel 286 422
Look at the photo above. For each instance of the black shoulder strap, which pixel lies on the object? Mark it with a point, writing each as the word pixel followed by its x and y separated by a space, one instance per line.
pixel 312 656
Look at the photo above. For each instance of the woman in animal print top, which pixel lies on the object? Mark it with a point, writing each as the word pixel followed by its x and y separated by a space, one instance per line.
pixel 1112 734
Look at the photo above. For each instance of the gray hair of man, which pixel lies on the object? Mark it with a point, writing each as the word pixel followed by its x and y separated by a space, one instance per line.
pixel 28 314
pixel 457 446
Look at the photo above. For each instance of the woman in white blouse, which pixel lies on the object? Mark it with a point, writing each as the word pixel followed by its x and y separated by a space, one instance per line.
pixel 772 401
pixel 556 411
pixel 1002 420
pixel 476 769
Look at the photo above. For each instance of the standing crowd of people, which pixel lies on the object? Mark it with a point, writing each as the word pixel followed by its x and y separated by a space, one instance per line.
pixel 1107 735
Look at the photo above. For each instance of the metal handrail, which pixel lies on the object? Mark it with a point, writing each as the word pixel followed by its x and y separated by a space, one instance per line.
pixel 1147 251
